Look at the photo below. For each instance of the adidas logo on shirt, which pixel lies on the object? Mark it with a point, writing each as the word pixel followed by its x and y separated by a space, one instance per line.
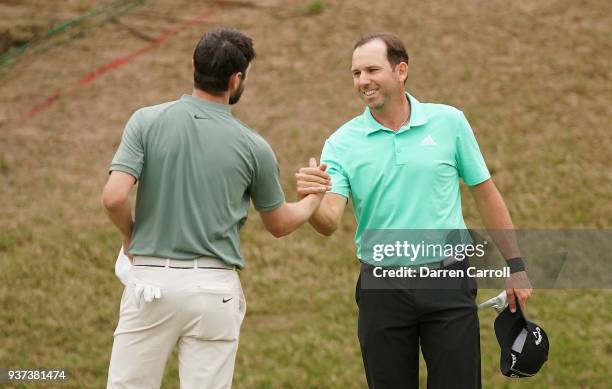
pixel 428 141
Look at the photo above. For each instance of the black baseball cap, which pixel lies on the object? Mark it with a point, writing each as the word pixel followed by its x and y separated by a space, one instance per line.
pixel 524 344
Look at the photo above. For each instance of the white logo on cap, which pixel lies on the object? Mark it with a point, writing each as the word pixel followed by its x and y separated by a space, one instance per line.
pixel 513 361
pixel 538 336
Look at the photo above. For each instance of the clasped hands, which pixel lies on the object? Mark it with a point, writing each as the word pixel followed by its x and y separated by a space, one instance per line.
pixel 312 180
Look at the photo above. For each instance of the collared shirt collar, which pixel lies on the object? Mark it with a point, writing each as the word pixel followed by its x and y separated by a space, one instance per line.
pixel 417 117
pixel 205 104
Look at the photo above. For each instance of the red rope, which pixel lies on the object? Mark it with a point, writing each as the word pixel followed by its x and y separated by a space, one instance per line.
pixel 118 62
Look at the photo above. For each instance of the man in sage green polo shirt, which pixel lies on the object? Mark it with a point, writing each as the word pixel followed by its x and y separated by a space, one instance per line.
pixel 400 162
pixel 198 168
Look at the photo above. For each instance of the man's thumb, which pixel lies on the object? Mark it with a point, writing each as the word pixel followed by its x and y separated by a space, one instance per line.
pixel 313 162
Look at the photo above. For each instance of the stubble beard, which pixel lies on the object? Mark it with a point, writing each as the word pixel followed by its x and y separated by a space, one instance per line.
pixel 235 97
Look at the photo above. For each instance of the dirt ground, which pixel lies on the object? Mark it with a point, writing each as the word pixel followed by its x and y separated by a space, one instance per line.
pixel 532 78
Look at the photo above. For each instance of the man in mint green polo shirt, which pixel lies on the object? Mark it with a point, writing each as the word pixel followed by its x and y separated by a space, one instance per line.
pixel 198 168
pixel 400 162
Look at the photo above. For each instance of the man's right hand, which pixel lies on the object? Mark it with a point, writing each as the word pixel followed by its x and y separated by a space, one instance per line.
pixel 289 216
pixel 126 245
pixel 518 288
pixel 311 179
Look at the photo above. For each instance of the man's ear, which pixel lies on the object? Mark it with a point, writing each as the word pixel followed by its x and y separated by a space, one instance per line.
pixel 402 71
pixel 234 80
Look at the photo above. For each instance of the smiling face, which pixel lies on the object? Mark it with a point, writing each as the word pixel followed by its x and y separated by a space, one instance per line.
pixel 376 80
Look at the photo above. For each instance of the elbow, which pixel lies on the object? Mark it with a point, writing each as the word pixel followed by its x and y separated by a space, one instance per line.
pixel 279 221
pixel 278 234
pixel 326 230
pixel 278 231
pixel 111 201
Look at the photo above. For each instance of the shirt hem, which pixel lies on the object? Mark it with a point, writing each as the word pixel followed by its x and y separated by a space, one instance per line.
pixel 477 181
pixel 125 169
pixel 268 208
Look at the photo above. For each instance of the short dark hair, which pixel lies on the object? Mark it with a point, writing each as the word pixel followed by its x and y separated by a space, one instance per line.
pixel 396 52
pixel 218 55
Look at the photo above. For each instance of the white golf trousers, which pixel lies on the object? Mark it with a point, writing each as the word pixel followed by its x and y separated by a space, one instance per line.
pixel 200 310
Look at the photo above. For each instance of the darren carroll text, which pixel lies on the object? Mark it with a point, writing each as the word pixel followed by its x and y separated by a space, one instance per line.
pixel 423 271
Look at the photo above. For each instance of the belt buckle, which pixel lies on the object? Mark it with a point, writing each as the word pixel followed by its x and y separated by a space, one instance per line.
pixel 433 265
pixel 451 261
pixel 438 265
pixel 178 264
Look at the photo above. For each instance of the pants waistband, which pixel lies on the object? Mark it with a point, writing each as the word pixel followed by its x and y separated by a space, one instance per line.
pixel 198 263
pixel 441 264
pixel 446 262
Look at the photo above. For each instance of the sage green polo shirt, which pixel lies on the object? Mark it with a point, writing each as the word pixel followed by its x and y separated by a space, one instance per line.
pixel 197 169
pixel 408 179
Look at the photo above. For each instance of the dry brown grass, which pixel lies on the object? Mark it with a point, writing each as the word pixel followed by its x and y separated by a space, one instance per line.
pixel 532 78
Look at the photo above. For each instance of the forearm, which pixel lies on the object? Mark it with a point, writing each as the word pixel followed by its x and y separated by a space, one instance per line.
pixel 323 221
pixel 115 200
pixel 293 215
pixel 498 223
pixel 120 213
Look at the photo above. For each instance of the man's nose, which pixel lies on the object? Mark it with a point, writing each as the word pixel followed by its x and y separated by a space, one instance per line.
pixel 363 80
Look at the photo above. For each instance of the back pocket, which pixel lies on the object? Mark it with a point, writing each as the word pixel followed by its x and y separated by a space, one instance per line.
pixel 219 314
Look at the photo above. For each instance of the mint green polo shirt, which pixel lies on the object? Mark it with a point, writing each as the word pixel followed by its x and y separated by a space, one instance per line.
pixel 409 179
pixel 197 169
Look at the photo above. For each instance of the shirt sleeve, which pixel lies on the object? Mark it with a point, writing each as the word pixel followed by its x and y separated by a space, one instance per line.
pixel 265 189
pixel 470 162
pixel 340 181
pixel 129 157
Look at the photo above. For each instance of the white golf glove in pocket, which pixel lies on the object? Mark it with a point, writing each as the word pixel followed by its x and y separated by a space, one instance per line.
pixel 125 274
pixel 123 268
pixel 146 292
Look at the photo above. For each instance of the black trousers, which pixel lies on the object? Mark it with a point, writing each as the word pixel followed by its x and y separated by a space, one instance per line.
pixel 394 322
